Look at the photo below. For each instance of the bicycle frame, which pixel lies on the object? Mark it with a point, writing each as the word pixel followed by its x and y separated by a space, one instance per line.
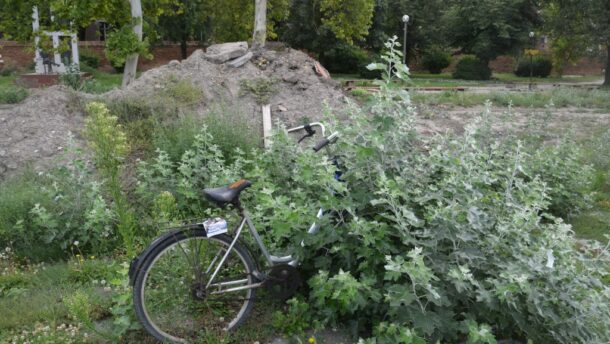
pixel 272 260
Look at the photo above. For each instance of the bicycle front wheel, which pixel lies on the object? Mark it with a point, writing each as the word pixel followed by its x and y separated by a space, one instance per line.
pixel 174 298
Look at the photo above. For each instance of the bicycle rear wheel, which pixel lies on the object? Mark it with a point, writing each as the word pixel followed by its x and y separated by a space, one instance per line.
pixel 172 298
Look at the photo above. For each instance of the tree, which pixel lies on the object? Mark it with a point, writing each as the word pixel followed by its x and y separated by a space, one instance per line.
pixel 16 19
pixel 490 28
pixel 578 27
pixel 187 20
pixel 426 27
pixel 317 25
pixel 260 24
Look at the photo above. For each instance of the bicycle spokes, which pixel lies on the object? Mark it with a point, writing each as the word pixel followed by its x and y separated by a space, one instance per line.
pixel 178 296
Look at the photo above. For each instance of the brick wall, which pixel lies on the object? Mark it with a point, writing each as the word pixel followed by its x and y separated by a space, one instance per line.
pixel 22 56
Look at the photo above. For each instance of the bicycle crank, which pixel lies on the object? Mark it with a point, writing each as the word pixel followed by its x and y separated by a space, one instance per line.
pixel 282 281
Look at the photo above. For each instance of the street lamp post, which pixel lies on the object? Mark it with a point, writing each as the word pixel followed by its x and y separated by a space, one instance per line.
pixel 532 59
pixel 405 19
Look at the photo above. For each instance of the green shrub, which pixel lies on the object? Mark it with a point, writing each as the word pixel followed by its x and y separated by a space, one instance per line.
pixel 366 73
pixel 8 69
pixel 435 59
pixel 442 238
pixel 108 143
pixel 42 216
pixel 89 59
pixel 261 89
pixel 541 67
pixel 471 68
pixel 72 78
pixel 12 95
pixel 344 58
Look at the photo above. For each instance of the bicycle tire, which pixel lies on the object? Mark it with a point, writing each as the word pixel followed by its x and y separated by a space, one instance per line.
pixel 185 323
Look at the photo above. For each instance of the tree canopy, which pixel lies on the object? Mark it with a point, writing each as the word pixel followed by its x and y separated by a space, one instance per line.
pixel 578 28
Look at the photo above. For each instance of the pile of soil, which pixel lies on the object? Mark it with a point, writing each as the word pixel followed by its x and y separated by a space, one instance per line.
pixel 298 93
pixel 37 131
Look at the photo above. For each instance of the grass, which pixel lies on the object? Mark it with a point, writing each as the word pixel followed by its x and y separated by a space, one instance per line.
pixel 36 294
pixel 560 97
pixel 102 82
pixel 420 79
pixel 594 223
pixel 9 92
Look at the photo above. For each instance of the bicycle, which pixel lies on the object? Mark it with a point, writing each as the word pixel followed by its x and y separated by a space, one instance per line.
pixel 209 275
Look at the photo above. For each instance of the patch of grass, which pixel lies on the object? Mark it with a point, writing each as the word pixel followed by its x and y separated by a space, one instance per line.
pixel 178 135
pixel 231 129
pixel 260 88
pixel 422 79
pixel 9 92
pixel 40 297
pixel 182 91
pixel 560 97
pixel 19 195
pixel 595 222
pixel 101 82
pixel 13 95
pixel 36 299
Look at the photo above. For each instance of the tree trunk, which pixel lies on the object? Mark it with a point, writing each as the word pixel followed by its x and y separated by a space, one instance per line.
pixel 131 64
pixel 260 24
pixel 607 78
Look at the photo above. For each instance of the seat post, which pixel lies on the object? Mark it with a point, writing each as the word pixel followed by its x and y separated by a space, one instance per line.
pixel 237 204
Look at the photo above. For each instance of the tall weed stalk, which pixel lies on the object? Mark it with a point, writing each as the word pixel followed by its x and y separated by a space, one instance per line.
pixel 109 145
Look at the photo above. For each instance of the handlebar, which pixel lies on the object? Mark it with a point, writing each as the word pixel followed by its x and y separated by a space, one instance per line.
pixel 310 125
pixel 332 138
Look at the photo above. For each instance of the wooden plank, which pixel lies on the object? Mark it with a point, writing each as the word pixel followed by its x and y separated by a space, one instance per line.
pixel 267 125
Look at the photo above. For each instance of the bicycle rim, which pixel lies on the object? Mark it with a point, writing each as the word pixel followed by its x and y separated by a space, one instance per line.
pixel 173 300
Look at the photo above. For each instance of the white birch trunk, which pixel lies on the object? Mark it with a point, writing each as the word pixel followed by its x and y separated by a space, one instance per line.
pixel 131 63
pixel 260 24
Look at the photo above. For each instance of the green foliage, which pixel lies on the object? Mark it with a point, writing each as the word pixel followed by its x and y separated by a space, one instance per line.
pixel 450 237
pixel 72 78
pixel 436 238
pixel 490 28
pixel 183 91
pixel 392 333
pixel 577 29
pixel 348 20
pixel 297 320
pixel 12 95
pixel 391 68
pixel 559 97
pixel 109 145
pixel 43 215
pixel 435 59
pixel 89 59
pixel 472 68
pixel 123 43
pixel 261 88
pixel 319 26
pixel 8 69
pixel 479 334
pixel 541 67
pixel 344 58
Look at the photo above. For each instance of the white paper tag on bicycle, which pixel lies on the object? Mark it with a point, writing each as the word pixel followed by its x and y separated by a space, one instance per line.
pixel 215 226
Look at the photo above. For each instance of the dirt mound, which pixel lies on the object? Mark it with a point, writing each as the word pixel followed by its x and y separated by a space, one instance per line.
pixel 282 77
pixel 37 130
